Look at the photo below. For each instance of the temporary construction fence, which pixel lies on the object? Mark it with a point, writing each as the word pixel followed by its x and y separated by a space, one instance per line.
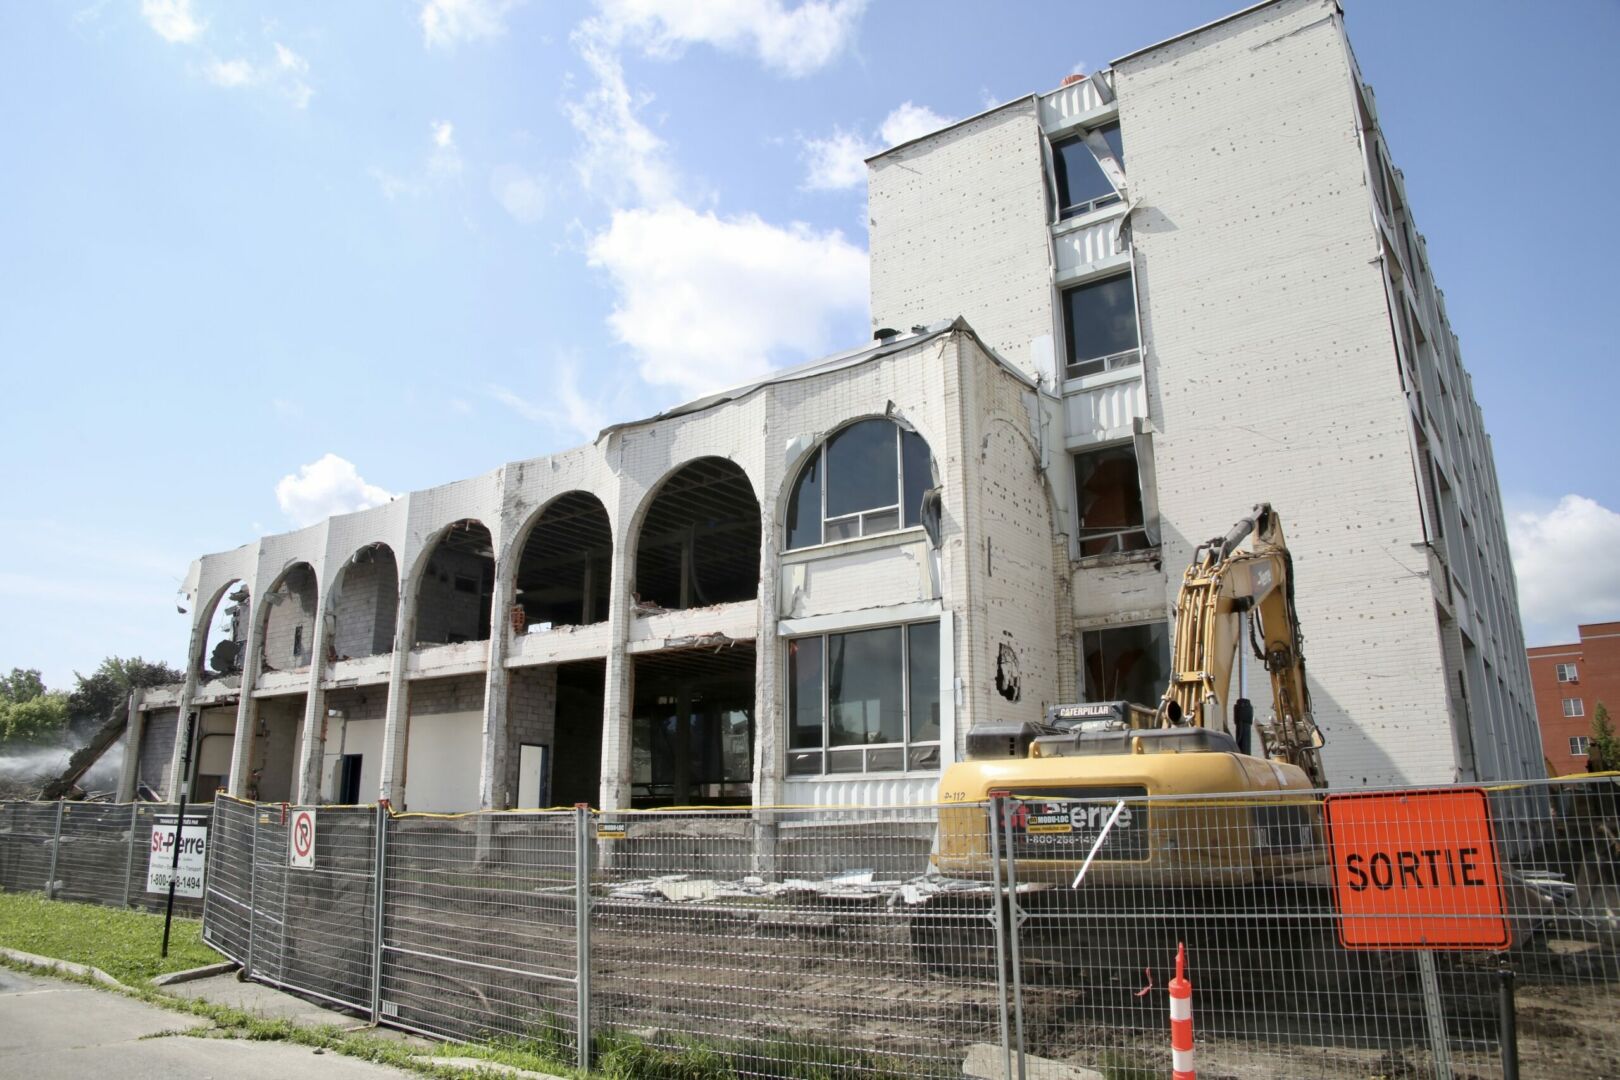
pixel 100 853
pixel 1444 932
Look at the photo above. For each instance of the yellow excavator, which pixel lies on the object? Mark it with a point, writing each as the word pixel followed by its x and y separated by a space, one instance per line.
pixel 1119 809
pixel 1197 741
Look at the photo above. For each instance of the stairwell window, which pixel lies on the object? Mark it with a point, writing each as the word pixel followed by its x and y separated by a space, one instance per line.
pixel 1126 663
pixel 1099 325
pixel 864 701
pixel 1082 186
pixel 1579 744
pixel 1574 706
pixel 1566 673
pixel 868 478
pixel 1108 501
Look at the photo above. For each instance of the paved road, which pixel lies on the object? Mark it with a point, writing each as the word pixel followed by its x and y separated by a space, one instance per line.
pixel 55 1030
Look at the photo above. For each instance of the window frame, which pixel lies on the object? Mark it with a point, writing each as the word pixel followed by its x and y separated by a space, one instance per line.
pixel 1580 745
pixel 1112 362
pixel 1060 172
pixel 897 508
pixel 1166 625
pixel 905 746
pixel 1081 535
pixel 1579 708
pixel 1566 673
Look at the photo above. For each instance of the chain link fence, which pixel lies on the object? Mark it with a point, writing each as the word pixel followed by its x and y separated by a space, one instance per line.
pixel 98 853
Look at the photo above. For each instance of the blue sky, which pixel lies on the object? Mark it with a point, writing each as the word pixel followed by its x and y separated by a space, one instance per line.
pixel 261 265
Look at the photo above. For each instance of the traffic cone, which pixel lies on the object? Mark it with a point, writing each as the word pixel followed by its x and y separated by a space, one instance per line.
pixel 1181 1028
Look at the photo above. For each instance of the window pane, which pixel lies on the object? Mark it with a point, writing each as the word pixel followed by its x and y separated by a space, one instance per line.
pixel 843 530
pixel 804 763
pixel 864 687
pixel 923 662
pixel 804 693
pixel 1079 178
pixel 804 510
pixel 923 757
pixel 892 759
pixel 1108 493
pixel 1127 663
pixel 1100 319
pixel 845 761
pixel 918 474
pixel 881 522
pixel 862 468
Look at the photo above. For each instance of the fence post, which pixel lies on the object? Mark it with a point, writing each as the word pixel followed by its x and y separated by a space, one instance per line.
pixel 994 830
pixel 129 861
pixel 1015 924
pixel 253 883
pixel 582 931
pixel 56 847
pixel 379 880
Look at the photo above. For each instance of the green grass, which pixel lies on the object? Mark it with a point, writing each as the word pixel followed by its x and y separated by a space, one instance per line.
pixel 124 944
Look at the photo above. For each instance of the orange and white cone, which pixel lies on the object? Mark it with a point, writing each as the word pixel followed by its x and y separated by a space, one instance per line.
pixel 1181 1028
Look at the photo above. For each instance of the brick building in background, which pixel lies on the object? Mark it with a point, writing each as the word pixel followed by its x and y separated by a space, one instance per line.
pixel 1570 682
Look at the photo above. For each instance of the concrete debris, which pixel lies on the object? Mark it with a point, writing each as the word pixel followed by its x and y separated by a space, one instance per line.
pixel 849 885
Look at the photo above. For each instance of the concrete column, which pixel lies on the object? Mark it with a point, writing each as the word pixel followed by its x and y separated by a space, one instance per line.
pixel 397 716
pixel 492 793
pixel 770 717
pixel 618 693
pixel 130 770
pixel 312 750
pixel 247 709
pixel 188 691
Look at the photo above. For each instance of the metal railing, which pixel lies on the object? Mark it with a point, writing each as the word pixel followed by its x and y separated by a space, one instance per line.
pixel 1447 932
pixel 98 853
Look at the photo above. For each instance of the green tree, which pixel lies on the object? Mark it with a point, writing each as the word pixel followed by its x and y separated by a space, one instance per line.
pixel 100 693
pixel 23 684
pixel 41 718
pixel 1604 751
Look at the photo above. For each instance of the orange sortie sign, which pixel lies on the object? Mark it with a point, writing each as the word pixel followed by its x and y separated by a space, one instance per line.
pixel 1416 870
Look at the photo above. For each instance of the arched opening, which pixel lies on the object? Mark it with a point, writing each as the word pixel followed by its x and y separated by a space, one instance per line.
pixel 699 542
pixel 454 591
pixel 867 478
pixel 225 642
pixel 566 564
pixel 290 610
pixel 365 603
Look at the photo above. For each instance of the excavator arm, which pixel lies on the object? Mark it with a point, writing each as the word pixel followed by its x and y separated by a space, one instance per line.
pixel 1223 583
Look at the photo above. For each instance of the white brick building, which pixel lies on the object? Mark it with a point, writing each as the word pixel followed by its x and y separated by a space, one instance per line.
pixel 1170 291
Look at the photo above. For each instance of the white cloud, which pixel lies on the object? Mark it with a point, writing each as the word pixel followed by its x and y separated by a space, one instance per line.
pixel 329 485
pixel 794 41
pixel 283 75
pixel 707 302
pixel 839 161
pixel 172 20
pixel 566 408
pixel 621 159
pixel 446 23
pixel 446 157
pixel 1566 565
pixel 521 194
pixel 229 72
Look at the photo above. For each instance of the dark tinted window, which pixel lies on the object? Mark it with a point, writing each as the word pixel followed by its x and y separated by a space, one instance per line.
pixel 804 692
pixel 1081 183
pixel 1108 500
pixel 1099 320
pixel 865 693
pixel 919 475
pixel 804 512
pixel 1126 663
pixel 862 468
pixel 923 670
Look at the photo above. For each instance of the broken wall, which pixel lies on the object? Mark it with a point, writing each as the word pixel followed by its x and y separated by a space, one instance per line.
pixel 367 605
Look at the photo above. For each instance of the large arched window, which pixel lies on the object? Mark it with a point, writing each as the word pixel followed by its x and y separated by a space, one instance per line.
pixel 868 478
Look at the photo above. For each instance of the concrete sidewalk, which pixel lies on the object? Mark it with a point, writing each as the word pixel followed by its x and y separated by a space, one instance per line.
pixel 56 1030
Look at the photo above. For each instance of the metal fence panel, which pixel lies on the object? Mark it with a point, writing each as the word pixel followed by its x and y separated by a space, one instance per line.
pixel 794 943
pixel 27 830
pixel 478 926
pixel 228 892
pixel 93 852
pixel 328 909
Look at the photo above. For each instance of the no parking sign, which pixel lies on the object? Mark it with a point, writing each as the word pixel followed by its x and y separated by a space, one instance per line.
pixel 301 840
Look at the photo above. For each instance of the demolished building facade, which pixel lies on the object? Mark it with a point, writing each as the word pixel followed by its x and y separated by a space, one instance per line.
pixel 1179 287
